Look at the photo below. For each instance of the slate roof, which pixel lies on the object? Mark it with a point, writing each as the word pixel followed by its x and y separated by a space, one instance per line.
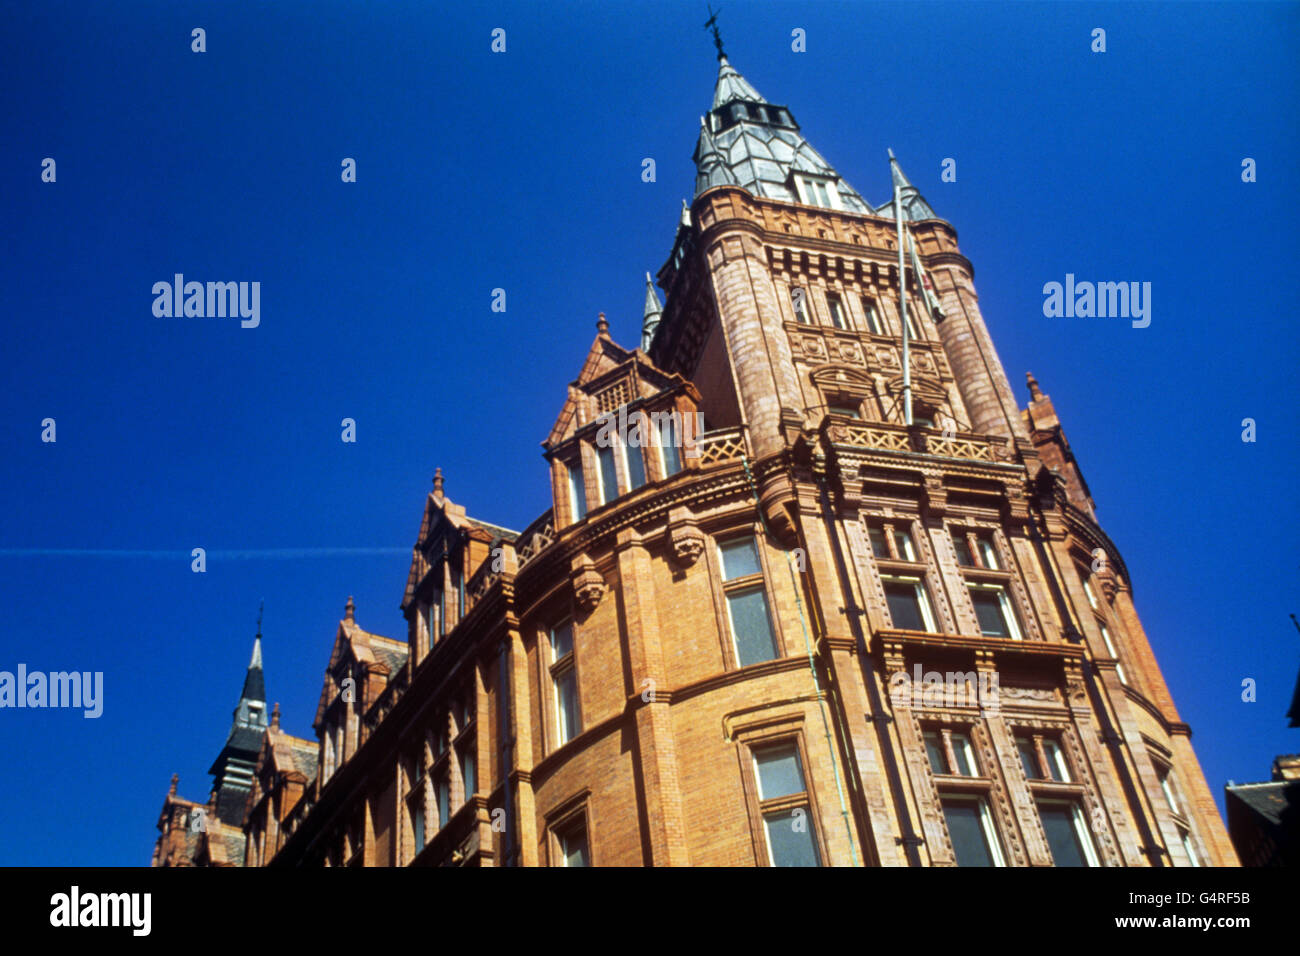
pixel 389 652
pixel 1269 801
pixel 915 208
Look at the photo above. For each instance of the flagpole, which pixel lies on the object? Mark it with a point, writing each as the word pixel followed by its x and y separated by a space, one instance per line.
pixel 902 298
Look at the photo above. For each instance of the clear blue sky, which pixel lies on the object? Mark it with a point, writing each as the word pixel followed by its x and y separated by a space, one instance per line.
pixel 522 171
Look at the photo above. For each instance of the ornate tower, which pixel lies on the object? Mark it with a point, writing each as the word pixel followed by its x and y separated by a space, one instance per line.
pixel 962 595
pixel 232 771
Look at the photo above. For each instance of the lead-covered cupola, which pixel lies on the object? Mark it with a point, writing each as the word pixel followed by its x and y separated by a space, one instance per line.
pixel 748 142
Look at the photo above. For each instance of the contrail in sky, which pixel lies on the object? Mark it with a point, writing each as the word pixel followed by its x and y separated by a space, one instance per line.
pixel 241 554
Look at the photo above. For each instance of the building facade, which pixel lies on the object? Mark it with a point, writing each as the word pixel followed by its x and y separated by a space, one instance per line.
pixel 774 615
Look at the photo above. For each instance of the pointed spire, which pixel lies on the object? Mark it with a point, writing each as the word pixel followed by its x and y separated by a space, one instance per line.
pixel 915 208
pixel 1034 391
pixel 350 610
pixel 254 682
pixel 234 765
pixel 602 327
pixel 732 86
pixel 653 312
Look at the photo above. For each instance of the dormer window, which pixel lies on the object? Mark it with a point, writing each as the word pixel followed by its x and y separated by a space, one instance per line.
pixel 817 191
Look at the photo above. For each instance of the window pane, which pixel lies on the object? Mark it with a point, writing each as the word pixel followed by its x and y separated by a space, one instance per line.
pixel 1110 646
pixel 1028 759
pixel 778 772
pixel 904 607
pixel 467 772
pixel 962 547
pixel 417 820
pixel 573 847
pixel 1056 761
pixel 988 610
pixel 577 493
pixel 1058 824
pixel 1008 615
pixel 966 831
pixel 739 558
pixel 1168 791
pixel 608 474
pixel 566 704
pixel 848 411
pixel 837 311
pixel 903 542
pixel 561 641
pixel 635 467
pixel 934 750
pixel 750 627
pixel 789 836
pixel 1087 590
pixel 965 757
pixel 878 546
pixel 988 554
pixel 444 801
pixel 869 310
pixel 668 443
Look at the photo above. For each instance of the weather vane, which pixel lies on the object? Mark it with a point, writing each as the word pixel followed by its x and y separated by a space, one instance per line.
pixel 712 24
pixel 259 617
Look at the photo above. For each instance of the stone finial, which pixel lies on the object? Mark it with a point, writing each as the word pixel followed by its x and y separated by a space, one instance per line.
pixel 437 481
pixel 602 327
pixel 275 715
pixel 350 610
pixel 171 791
pixel 1034 391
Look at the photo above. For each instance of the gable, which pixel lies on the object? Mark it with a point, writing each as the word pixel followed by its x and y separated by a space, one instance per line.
pixel 611 377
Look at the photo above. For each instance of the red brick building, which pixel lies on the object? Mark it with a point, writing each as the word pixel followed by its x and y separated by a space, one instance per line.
pixel 824 628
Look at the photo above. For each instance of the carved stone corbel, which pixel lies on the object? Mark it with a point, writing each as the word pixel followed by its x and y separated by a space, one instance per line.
pixel 1015 503
pixel 936 495
pixel 1109 584
pixel 1076 691
pixel 685 538
pixel 588 584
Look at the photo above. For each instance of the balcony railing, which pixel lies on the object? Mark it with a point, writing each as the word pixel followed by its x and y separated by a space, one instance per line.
pixel 882 436
pixel 724 444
